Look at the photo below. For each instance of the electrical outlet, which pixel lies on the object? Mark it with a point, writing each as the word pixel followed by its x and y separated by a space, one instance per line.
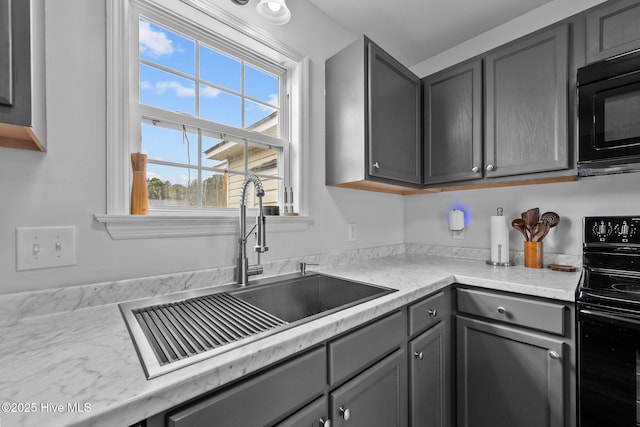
pixel 45 247
pixel 457 234
pixel 352 232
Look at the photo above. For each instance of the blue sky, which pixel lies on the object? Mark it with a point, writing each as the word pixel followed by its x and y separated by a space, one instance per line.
pixel 172 92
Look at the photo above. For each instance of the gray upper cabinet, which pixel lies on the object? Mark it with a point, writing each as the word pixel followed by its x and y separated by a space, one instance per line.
pixel 373 119
pixel 613 29
pixel 22 75
pixel 526 105
pixel 453 124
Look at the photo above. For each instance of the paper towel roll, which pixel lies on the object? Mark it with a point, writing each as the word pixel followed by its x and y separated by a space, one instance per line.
pixel 499 239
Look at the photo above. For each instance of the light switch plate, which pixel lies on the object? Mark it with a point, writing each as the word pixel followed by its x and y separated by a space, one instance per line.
pixel 45 247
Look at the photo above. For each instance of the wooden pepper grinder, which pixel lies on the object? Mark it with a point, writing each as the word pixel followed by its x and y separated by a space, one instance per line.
pixel 139 197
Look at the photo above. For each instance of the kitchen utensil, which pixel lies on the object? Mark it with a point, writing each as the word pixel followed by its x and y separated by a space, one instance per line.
pixel 533 217
pixel 539 230
pixel 551 219
pixel 520 225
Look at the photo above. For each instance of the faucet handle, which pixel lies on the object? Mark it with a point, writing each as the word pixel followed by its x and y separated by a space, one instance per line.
pixel 303 267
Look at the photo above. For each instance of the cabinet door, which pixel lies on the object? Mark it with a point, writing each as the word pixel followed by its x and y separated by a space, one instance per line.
pixel 453 124
pixel 6 62
pixel 613 29
pixel 526 105
pixel 393 119
pixel 508 377
pixel 313 415
pixel 429 377
pixel 270 395
pixel 375 398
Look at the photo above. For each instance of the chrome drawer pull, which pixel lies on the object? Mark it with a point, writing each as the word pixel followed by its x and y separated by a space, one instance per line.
pixel 345 413
pixel 433 312
pixel 325 423
pixel 418 356
pixel 502 310
pixel 554 354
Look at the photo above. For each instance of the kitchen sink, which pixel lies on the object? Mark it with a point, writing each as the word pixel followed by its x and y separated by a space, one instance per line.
pixel 310 296
pixel 177 330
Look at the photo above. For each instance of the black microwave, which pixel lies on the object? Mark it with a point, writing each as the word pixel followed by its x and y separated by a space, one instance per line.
pixel 609 116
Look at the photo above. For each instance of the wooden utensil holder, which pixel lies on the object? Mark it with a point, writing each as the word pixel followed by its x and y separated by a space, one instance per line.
pixel 533 254
pixel 139 196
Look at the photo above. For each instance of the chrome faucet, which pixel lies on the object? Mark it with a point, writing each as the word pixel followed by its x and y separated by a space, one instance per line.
pixel 244 270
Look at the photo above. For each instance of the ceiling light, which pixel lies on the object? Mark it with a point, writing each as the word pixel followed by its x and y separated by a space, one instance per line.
pixel 274 12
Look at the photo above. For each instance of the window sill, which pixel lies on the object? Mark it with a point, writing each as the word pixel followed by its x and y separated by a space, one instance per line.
pixel 124 227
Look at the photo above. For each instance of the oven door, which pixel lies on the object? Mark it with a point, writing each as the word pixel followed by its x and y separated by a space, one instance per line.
pixel 609 119
pixel 608 364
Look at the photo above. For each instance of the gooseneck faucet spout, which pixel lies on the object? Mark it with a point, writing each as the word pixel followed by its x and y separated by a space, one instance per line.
pixel 244 270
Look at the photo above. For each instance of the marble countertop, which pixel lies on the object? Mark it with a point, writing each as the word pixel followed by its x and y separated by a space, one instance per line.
pixel 80 367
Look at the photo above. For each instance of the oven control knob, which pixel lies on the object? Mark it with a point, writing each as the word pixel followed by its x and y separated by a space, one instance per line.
pixel 601 229
pixel 625 230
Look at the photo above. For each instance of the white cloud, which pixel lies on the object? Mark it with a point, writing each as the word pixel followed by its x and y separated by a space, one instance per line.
pixel 160 88
pixel 273 99
pixel 153 43
pixel 209 92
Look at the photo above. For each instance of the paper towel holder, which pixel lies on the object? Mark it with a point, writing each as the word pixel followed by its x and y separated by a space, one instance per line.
pixel 508 263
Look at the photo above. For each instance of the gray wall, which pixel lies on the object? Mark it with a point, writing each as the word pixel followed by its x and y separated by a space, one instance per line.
pixel 67 185
pixel 425 215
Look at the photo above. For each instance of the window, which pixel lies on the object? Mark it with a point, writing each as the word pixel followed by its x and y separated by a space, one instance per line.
pixel 209 99
pixel 194 98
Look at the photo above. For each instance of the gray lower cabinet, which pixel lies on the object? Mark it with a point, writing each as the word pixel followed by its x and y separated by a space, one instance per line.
pixel 515 360
pixel 526 105
pixel 22 75
pixel 373 119
pixel 313 415
pixel 452 106
pixel 508 377
pixel 374 398
pixel 613 29
pixel 429 378
pixel 260 400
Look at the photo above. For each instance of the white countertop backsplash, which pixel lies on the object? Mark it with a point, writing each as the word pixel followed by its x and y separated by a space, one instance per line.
pixel 71 345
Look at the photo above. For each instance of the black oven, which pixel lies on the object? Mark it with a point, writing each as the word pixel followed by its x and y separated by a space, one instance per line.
pixel 609 116
pixel 608 317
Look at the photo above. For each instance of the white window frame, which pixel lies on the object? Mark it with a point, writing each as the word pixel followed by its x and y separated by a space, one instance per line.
pixel 122 130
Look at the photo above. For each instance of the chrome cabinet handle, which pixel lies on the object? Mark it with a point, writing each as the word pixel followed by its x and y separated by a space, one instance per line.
pixel 419 355
pixel 501 310
pixel 554 355
pixel 433 312
pixel 490 167
pixel 325 423
pixel 376 165
pixel 475 169
pixel 345 413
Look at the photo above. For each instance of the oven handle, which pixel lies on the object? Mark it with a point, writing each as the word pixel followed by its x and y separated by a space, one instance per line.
pixel 609 318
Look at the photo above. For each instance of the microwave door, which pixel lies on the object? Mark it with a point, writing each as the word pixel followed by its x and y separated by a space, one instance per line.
pixel 610 119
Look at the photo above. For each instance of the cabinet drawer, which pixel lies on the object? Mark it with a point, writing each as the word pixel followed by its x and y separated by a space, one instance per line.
pixel 545 316
pixel 427 313
pixel 271 395
pixel 349 354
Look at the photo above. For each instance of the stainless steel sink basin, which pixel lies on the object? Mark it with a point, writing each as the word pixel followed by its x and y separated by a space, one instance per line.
pixel 305 297
pixel 178 330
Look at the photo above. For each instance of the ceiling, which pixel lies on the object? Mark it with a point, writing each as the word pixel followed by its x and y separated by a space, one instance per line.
pixel 414 30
